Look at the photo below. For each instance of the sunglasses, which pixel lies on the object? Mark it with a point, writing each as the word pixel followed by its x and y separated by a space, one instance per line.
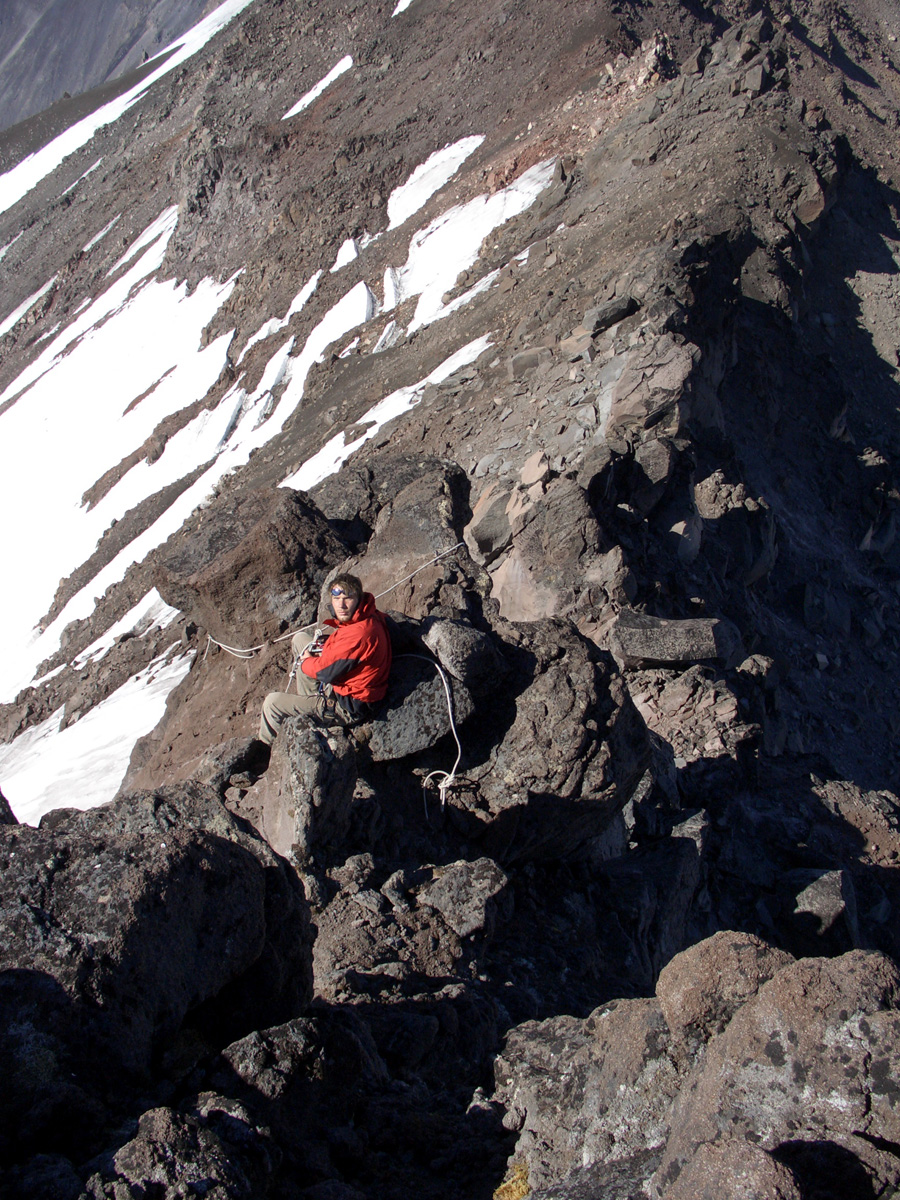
pixel 337 592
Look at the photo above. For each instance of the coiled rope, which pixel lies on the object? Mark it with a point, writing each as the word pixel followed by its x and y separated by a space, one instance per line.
pixel 448 778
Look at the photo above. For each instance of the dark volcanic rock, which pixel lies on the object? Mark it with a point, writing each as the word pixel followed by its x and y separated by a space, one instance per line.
pixel 812 1055
pixel 211 1147
pixel 248 567
pixel 735 1169
pixel 701 989
pixel 637 639
pixel 7 816
pixel 302 804
pixel 469 655
pixel 797 1083
pixel 416 713
pixel 116 924
pixel 571 758
pixel 612 1100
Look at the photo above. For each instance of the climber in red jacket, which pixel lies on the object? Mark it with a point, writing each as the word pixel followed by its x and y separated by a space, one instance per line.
pixel 342 675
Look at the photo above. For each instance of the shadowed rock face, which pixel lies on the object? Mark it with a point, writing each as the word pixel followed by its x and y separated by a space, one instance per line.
pixel 119 922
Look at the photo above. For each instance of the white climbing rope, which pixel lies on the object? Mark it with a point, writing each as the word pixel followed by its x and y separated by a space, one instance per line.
pixel 249 651
pixel 448 778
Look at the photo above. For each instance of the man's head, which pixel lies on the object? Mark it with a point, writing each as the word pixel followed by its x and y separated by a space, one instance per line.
pixel 346 592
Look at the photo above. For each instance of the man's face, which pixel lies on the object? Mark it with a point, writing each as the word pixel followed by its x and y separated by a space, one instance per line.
pixel 344 605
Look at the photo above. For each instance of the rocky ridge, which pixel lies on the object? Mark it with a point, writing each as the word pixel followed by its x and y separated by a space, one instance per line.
pixel 646 943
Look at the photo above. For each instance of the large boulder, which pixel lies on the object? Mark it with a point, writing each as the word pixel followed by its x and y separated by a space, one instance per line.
pixel 417 711
pixel 422 520
pixel 555 539
pixel 212 1147
pixel 250 566
pixel 734 1170
pixel 573 751
pixel 352 498
pixel 115 924
pixel 586 1092
pixel 424 923
pixel 813 1055
pixel 301 805
pixel 701 989
pixel 637 639
pixel 471 656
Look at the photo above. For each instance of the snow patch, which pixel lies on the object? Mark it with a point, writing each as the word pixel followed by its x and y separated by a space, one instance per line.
pixel 314 93
pixel 16 316
pixel 429 177
pixel 151 612
pixel 72 402
pixel 163 226
pixel 337 450
pixel 83 175
pixel 347 253
pixel 31 170
pixel 275 325
pixel 451 243
pixel 82 766
pixel 9 245
pixel 102 234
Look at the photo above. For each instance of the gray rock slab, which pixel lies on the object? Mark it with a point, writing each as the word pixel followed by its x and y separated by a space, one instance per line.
pixel 415 713
pixel 463 893
pixel 637 639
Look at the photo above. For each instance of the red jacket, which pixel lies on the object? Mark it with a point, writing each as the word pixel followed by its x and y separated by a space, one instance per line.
pixel 356 658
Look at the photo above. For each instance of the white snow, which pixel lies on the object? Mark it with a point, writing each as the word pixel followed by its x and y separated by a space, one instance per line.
pixel 314 93
pixel 337 450
pixel 151 612
pixel 83 175
pixel 102 234
pixel 275 325
pixel 227 435
pixel 402 6
pixel 451 243
pixel 347 253
pixel 82 766
pixel 9 245
pixel 19 313
pixel 31 170
pixel 429 177
pixel 72 402
pixel 163 225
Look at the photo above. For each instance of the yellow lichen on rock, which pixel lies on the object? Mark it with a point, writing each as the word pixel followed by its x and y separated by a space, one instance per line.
pixel 516 1186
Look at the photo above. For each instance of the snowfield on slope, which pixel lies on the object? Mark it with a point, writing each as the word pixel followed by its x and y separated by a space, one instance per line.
pixel 141 339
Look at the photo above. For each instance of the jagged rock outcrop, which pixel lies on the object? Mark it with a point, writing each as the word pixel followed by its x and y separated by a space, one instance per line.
pixel 778 1057
pixel 571 757
pixel 118 923
pixel 303 802
pixel 251 567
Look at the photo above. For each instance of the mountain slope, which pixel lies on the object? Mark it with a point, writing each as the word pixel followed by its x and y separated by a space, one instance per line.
pixel 571 329
pixel 52 48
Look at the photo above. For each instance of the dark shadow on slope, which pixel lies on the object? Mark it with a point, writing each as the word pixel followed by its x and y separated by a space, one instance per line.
pixel 30 135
